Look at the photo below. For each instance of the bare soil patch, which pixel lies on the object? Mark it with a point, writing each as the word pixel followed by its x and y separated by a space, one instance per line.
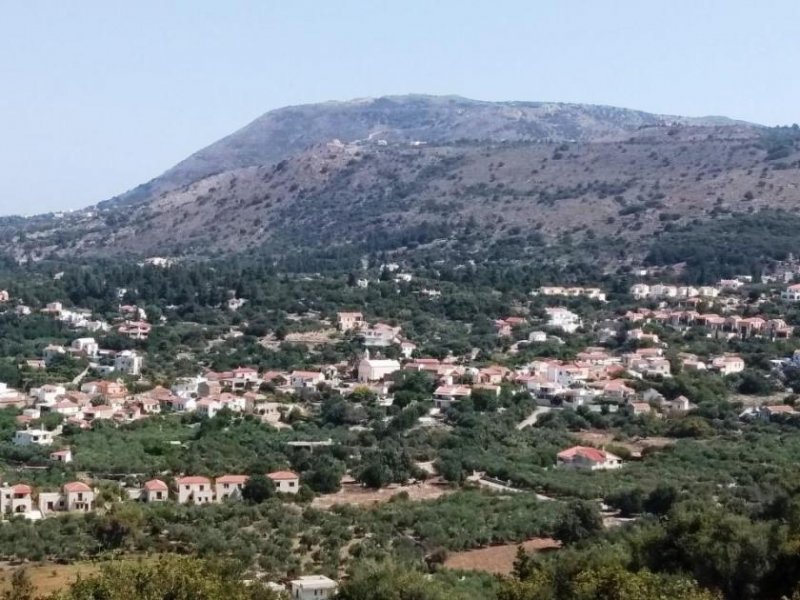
pixel 496 559
pixel 635 445
pixel 356 495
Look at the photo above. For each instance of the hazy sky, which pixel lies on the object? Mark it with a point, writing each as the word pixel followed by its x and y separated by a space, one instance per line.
pixel 98 96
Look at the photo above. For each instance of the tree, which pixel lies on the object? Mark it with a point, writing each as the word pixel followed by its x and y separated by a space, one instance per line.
pixel 524 564
pixel 375 474
pixel 615 583
pixel 169 578
pixel 259 488
pixel 389 582
pixel 661 500
pixel 325 476
pixel 581 520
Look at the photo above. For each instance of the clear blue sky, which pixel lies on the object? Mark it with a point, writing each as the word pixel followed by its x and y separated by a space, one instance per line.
pixel 98 96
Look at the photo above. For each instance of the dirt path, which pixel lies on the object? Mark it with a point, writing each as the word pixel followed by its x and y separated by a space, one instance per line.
pixel 534 416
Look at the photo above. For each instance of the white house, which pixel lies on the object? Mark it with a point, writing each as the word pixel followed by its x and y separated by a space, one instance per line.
pixel 728 364
pixel 51 352
pixel 75 496
pixel 183 404
pixel 155 490
pixel 128 362
pixel 64 456
pixel 286 482
pixel 48 393
pixel 197 490
pixel 791 293
pixel 305 379
pixel 208 407
pixel 350 320
pixel 587 459
pixel 313 587
pixel 380 335
pixel 86 346
pixel 229 486
pixel 446 395
pixel 563 319
pixel 16 499
pixel 373 369
pixel 187 386
pixel 40 437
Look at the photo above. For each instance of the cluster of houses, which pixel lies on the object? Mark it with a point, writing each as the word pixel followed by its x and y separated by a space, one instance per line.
pixel 78 496
pixel 726 326
pixel 105 362
pixel 377 335
pixel 21 499
pixel 592 293
pixel 643 291
pixel 194 489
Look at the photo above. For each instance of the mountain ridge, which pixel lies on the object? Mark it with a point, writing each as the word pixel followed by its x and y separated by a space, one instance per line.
pixel 280 133
pixel 440 177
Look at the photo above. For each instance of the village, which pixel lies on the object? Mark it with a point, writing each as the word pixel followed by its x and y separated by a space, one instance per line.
pixel 620 377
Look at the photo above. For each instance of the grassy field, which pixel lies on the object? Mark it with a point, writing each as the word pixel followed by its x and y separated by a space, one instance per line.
pixel 51 577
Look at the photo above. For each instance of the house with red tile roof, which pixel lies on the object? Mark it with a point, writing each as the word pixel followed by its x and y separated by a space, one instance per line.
pixel 16 499
pixel 286 482
pixel 64 456
pixel 75 496
pixel 229 486
pixel 585 458
pixel 194 490
pixel 155 490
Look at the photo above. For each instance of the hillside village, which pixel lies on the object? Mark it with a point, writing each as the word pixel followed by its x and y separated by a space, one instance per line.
pixel 624 355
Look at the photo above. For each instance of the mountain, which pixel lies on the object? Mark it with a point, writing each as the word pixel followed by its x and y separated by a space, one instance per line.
pixel 441 177
pixel 282 133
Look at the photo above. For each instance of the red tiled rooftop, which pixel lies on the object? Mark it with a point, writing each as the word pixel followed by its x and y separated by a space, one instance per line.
pixel 235 479
pixel 192 480
pixel 592 454
pixel 282 475
pixel 76 486
pixel 155 485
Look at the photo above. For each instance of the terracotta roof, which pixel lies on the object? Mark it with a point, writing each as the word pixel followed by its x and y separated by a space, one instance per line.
pixel 282 475
pixel 592 454
pixel 236 479
pixel 155 485
pixel 21 488
pixel 76 486
pixel 306 374
pixel 192 480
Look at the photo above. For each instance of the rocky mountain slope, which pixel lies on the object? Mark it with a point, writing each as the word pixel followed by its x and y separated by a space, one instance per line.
pixel 596 200
pixel 282 133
